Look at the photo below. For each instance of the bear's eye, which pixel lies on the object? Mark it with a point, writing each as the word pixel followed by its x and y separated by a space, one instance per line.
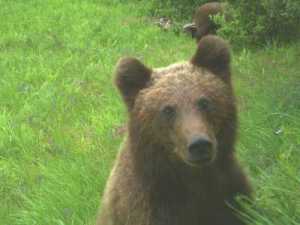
pixel 204 104
pixel 168 111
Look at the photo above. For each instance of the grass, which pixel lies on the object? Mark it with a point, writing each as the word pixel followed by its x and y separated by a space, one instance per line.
pixel 59 110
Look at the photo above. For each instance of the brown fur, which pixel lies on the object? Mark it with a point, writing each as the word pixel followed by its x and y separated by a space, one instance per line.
pixel 202 23
pixel 153 181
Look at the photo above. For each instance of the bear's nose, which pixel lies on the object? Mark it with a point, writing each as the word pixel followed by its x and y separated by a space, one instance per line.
pixel 200 149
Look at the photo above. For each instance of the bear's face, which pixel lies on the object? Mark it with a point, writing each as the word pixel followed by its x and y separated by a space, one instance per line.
pixel 183 106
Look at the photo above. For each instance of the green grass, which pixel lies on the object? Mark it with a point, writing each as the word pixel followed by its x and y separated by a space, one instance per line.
pixel 59 110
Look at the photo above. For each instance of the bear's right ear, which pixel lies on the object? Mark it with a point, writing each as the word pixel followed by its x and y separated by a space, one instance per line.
pixel 213 54
pixel 131 77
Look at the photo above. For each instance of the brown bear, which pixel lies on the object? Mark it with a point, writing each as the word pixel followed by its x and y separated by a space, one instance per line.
pixel 202 22
pixel 177 165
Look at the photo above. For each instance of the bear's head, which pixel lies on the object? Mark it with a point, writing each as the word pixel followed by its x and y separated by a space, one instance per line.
pixel 187 109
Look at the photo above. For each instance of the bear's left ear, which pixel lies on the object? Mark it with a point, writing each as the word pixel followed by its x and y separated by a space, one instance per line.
pixel 131 76
pixel 213 54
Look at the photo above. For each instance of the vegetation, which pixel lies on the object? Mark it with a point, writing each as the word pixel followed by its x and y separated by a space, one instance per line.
pixel 60 113
pixel 251 22
pixel 262 21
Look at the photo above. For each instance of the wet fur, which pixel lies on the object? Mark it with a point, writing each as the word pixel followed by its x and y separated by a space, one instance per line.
pixel 148 184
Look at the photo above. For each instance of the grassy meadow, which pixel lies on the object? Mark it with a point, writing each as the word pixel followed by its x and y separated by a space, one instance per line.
pixel 60 113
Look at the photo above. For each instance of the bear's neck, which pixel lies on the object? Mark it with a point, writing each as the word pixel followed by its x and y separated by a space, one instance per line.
pixel 156 167
pixel 159 171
